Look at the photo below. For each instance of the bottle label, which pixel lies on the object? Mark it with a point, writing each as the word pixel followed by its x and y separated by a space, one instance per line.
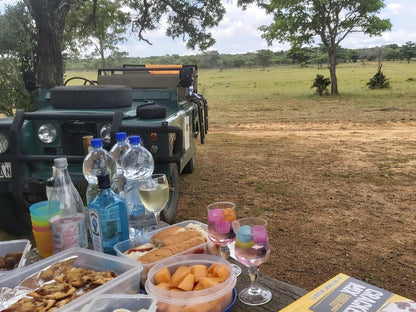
pixel 68 232
pixel 95 228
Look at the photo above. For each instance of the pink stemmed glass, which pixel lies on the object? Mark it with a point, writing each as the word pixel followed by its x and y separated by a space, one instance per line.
pixel 251 249
pixel 221 219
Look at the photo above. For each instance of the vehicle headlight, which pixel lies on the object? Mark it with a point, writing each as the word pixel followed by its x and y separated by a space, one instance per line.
pixel 47 133
pixel 4 143
pixel 105 133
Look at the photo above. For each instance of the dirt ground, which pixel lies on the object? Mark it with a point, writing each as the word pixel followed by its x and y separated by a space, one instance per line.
pixel 338 197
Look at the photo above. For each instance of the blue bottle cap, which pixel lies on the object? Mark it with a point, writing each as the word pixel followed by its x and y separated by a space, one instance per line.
pixel 121 136
pixel 134 139
pixel 96 143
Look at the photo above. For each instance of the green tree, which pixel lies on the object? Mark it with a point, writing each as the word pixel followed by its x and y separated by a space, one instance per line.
pixel 408 50
pixel 190 20
pixel 264 57
pixel 299 22
pixel 100 24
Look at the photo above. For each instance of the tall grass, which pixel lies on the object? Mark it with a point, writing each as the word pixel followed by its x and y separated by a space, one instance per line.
pixel 284 94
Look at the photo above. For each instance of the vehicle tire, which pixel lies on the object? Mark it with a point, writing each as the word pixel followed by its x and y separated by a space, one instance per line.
pixel 190 166
pixel 169 213
pixel 10 222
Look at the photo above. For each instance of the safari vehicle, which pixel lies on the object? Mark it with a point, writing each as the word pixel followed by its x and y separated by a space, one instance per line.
pixel 159 103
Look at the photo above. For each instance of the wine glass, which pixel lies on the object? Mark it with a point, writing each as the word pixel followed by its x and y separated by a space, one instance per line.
pixel 154 194
pixel 251 249
pixel 221 217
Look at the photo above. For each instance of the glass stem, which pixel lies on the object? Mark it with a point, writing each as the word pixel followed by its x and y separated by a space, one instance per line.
pixel 224 252
pixel 253 272
pixel 157 218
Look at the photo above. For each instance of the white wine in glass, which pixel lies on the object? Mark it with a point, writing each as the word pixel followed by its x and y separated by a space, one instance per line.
pixel 154 194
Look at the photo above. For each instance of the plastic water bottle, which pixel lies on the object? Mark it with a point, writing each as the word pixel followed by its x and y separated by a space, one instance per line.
pixel 137 164
pixel 98 161
pixel 68 227
pixel 108 217
pixel 117 152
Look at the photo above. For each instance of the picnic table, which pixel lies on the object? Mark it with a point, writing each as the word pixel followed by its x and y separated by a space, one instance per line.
pixel 283 293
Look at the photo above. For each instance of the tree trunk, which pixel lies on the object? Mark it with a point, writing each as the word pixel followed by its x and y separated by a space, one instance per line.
pixel 49 16
pixel 332 73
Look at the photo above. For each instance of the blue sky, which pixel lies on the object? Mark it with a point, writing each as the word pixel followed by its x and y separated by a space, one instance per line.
pixel 238 32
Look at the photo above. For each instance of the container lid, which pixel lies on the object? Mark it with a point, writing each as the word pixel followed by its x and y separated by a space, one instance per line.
pixel 60 162
pixel 134 139
pixel 121 136
pixel 96 143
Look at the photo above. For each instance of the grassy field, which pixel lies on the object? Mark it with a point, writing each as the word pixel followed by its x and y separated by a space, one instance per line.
pixel 284 94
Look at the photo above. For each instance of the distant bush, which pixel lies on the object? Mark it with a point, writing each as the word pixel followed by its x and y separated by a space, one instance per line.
pixel 321 84
pixel 379 80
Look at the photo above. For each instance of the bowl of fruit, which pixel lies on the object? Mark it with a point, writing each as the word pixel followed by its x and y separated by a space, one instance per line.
pixel 192 283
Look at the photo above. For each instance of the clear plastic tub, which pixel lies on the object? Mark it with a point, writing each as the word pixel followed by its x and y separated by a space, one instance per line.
pixel 127 281
pixel 17 245
pixel 214 299
pixel 123 246
pixel 109 303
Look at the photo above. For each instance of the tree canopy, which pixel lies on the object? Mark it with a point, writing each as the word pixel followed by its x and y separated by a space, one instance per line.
pixel 190 20
pixel 301 22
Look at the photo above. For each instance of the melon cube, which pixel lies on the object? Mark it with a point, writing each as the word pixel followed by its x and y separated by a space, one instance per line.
pixel 199 270
pixel 179 275
pixel 187 282
pixel 162 276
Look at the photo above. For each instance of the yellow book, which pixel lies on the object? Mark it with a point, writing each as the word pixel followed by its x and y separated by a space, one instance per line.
pixel 343 293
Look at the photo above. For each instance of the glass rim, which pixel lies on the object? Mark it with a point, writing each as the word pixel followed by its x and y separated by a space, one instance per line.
pixel 261 221
pixel 222 203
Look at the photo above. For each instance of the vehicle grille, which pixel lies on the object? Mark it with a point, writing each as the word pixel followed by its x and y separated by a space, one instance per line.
pixel 72 133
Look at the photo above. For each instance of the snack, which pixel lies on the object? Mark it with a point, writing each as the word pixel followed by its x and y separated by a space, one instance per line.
pixel 62 283
pixel 10 261
pixel 31 305
pixel 168 242
pixel 191 278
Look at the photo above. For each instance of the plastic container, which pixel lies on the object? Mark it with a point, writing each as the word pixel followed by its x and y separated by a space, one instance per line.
pixel 214 299
pixel 17 245
pixel 121 247
pixel 108 303
pixel 127 280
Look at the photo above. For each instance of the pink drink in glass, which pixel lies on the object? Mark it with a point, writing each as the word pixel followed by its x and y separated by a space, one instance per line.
pixel 252 245
pixel 220 229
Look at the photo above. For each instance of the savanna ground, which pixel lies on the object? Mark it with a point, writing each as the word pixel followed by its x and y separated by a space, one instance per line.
pixel 334 176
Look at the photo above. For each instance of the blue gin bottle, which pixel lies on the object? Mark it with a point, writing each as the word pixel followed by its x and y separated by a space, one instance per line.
pixel 108 217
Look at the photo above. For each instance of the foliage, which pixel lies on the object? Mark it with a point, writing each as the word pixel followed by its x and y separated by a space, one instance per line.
pixel 18 37
pixel 379 80
pixel 321 84
pixel 299 22
pixel 99 24
pixel 408 50
pixel 12 92
pixel 190 20
pixel 264 57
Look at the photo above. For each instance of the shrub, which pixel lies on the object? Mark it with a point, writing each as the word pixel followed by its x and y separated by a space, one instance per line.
pixel 379 80
pixel 321 84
